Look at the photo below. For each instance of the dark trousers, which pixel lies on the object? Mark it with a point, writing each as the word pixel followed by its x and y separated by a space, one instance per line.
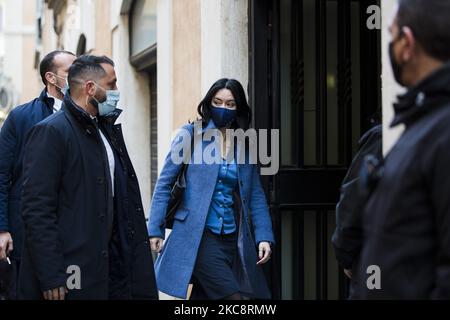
pixel 9 279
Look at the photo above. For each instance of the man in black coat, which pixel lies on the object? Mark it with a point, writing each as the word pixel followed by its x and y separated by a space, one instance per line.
pixel 85 236
pixel 53 68
pixel 348 236
pixel 406 251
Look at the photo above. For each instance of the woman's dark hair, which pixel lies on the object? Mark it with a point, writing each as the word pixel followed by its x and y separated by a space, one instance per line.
pixel 244 113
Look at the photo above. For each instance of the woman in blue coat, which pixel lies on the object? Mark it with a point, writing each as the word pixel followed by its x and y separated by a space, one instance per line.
pixel 222 231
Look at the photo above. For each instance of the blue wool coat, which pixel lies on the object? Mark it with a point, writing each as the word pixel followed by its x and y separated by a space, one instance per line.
pixel 176 261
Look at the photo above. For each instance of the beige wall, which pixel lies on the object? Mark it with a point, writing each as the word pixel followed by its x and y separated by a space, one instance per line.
pixel 31 85
pixel 103 34
pixel 209 41
pixel 19 37
pixel 186 60
pixel 390 89
pixel 135 102
pixel 165 90
pixel 29 12
pixel 194 51
pixel 49 39
pixel 224 41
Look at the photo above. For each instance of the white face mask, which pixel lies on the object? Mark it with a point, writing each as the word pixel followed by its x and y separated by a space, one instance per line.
pixel 66 87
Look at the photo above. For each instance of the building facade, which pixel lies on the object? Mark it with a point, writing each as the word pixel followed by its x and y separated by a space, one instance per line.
pixel 312 69
pixel 18 79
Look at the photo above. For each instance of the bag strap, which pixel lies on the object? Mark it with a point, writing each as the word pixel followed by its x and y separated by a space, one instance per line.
pixel 185 164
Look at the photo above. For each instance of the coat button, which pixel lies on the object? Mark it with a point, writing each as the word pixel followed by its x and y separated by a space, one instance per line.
pixel 242 184
pixel 139 209
pixel 105 254
pixel 100 180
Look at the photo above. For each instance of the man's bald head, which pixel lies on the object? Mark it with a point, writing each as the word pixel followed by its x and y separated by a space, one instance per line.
pixel 58 59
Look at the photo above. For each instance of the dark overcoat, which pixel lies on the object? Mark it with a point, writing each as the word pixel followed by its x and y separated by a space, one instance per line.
pixel 68 209
pixel 12 141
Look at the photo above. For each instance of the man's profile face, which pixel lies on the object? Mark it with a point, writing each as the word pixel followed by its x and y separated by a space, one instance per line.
pixel 109 81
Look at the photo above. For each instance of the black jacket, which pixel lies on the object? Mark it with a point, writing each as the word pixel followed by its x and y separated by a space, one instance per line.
pixel 69 211
pixel 348 235
pixel 12 141
pixel 407 218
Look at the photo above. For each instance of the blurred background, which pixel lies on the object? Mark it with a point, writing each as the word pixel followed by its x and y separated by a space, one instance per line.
pixel 312 69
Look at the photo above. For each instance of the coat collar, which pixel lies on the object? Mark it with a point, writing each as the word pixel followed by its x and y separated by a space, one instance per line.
pixel 83 117
pixel 110 118
pixel 209 125
pixel 429 94
pixel 45 99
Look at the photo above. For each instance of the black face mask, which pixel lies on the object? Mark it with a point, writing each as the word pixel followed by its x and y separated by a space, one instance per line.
pixel 396 68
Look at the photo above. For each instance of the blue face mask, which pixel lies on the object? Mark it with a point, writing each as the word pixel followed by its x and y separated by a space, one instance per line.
pixel 110 104
pixel 222 116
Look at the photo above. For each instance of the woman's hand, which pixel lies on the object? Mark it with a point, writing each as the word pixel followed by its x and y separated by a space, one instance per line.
pixel 156 244
pixel 264 252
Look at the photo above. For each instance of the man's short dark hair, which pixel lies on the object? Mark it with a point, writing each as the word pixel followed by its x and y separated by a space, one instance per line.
pixel 88 67
pixel 48 63
pixel 429 20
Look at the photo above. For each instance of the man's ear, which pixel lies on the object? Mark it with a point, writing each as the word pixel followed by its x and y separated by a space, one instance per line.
pixel 50 78
pixel 90 88
pixel 409 43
